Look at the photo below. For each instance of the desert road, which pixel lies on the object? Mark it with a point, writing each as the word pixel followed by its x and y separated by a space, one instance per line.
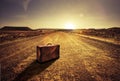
pixel 81 59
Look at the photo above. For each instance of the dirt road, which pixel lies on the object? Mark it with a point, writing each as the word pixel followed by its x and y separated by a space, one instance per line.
pixel 81 59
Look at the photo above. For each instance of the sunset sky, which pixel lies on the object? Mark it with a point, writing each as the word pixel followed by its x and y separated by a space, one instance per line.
pixel 57 13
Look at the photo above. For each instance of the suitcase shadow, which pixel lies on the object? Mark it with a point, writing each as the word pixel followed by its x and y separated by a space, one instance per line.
pixel 33 69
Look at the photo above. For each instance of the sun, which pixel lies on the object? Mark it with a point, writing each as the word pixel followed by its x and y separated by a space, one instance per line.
pixel 69 26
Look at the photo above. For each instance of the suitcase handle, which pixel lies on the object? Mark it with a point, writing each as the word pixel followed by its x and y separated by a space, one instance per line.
pixel 49 43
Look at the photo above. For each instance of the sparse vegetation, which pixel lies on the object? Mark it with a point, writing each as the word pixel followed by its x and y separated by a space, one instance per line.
pixel 12 33
pixel 105 33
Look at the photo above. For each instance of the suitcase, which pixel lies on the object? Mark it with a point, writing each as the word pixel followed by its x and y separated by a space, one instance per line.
pixel 47 53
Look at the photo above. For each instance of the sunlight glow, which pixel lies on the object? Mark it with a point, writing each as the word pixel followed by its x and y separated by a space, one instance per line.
pixel 69 26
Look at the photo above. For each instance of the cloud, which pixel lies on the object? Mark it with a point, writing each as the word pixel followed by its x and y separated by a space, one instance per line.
pixel 25 4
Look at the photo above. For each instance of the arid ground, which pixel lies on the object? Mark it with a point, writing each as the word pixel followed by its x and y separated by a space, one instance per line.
pixel 81 59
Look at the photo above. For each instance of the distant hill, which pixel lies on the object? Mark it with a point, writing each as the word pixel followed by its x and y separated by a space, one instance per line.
pixel 114 28
pixel 11 28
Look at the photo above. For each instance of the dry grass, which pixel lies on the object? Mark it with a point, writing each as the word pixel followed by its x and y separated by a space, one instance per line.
pixel 111 35
pixel 12 35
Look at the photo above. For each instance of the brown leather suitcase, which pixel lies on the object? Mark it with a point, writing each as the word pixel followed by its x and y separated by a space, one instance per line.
pixel 47 53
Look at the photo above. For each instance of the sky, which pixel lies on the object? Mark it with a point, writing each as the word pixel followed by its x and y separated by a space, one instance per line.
pixel 57 13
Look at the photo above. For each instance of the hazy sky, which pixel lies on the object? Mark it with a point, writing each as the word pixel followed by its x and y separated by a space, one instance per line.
pixel 56 13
